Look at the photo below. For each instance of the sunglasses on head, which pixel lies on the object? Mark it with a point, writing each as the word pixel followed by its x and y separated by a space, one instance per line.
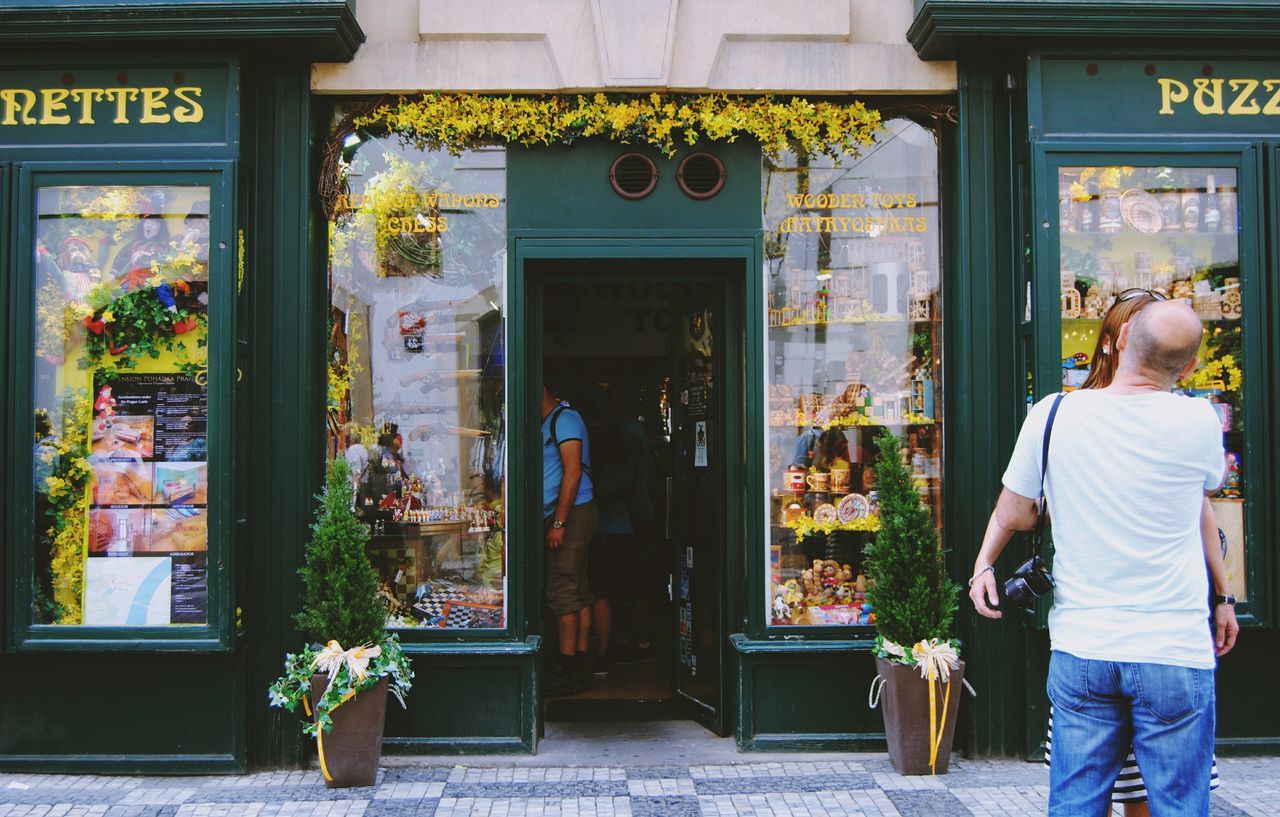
pixel 1134 292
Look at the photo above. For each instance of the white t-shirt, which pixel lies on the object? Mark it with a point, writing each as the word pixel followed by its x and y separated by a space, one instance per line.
pixel 1125 485
pixel 358 459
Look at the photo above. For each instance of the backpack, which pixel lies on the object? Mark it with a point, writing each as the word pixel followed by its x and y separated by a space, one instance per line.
pixel 612 460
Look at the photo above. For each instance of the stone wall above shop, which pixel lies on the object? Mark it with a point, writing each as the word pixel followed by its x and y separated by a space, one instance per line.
pixel 749 46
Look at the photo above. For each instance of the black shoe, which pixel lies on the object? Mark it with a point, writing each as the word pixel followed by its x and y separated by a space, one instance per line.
pixel 560 683
pixel 599 665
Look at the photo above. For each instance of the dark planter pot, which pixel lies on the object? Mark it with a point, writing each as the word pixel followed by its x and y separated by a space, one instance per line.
pixel 905 703
pixel 354 747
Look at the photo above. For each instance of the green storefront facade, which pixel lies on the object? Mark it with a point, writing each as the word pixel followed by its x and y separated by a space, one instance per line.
pixel 1166 94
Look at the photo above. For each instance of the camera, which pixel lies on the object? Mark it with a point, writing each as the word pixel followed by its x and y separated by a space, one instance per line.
pixel 1030 581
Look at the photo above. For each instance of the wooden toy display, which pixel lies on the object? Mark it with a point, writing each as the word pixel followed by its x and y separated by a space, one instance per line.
pixel 1177 236
pixel 854 347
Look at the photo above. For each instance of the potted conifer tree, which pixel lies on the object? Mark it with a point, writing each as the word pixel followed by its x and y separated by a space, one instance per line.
pixel 917 660
pixel 342 679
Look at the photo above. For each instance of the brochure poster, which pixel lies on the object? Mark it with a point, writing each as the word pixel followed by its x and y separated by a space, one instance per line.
pixel 148 521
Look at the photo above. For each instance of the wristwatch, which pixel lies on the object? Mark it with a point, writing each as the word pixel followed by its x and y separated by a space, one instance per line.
pixel 1220 599
pixel 558 525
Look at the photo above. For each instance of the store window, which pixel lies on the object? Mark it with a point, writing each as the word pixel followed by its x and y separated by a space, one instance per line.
pixel 854 349
pixel 417 375
pixel 120 462
pixel 1163 232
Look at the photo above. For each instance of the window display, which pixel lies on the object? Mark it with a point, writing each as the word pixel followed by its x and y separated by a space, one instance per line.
pixel 1161 232
pixel 120 471
pixel 854 347
pixel 417 374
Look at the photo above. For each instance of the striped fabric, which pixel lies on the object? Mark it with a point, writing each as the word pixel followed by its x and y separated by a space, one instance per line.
pixel 1129 787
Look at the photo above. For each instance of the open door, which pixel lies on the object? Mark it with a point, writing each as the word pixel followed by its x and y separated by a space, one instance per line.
pixel 697 510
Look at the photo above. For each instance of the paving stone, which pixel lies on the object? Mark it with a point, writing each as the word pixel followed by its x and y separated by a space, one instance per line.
pixel 662 787
pixel 928 804
pixel 665 807
pixel 402 808
pixel 561 790
pixel 276 794
pixel 863 786
pixel 658 772
pixel 765 784
pixel 914 782
pixel 427 774
pixel 1220 807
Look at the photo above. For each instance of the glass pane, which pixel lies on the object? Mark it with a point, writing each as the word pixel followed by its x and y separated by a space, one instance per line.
pixel 120 475
pixel 1173 231
pixel 417 374
pixel 855 333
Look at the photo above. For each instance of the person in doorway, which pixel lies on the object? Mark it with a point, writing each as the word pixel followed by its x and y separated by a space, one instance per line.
pixel 571 518
pixel 614 476
pixel 1131 656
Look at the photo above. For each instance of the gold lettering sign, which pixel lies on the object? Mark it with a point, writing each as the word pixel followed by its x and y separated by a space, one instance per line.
pixel 88 106
pixel 1213 96
pixel 825 221
pixel 409 199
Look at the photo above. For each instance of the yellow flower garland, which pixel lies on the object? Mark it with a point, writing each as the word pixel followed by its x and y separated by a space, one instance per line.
pixel 806 526
pixel 456 121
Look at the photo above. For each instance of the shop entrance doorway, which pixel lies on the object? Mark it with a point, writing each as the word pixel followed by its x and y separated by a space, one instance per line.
pixel 641 348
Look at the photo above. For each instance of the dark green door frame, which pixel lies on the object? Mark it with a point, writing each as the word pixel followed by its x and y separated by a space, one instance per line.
pixel 743 389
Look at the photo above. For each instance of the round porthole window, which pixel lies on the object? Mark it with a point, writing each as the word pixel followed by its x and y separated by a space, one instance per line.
pixel 633 175
pixel 701 175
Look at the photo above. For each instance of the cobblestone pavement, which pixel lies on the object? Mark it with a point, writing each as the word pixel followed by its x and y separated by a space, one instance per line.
pixel 858 786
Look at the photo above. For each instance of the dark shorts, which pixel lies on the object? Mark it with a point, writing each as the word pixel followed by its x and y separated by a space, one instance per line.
pixel 567 578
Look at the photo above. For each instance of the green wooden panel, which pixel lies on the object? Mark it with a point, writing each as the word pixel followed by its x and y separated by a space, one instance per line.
pixel 566 189
pixel 465 697
pixel 983 390
pixel 6 271
pixel 945 29
pixel 283 451
pixel 1158 96
pixel 1248 722
pixel 800 699
pixel 92 713
pixel 186 100
pixel 324 30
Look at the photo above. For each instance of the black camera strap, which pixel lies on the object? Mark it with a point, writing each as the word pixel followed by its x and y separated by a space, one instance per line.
pixel 1037 534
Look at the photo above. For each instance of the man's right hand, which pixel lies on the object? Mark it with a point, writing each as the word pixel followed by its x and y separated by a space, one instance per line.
pixel 982 589
pixel 555 538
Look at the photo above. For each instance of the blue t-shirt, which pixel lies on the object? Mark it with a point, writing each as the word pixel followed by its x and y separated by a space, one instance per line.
pixel 569 426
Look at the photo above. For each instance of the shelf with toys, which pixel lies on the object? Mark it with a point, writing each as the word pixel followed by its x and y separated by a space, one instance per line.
pixel 854 340
pixel 1172 232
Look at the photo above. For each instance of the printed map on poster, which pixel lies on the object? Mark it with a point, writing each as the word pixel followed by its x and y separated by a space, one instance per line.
pixel 128 592
pixel 148 521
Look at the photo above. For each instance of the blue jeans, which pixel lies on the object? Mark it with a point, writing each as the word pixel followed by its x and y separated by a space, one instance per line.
pixel 1099 706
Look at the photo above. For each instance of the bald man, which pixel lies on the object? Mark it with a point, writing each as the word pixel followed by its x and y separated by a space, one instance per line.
pixel 1133 656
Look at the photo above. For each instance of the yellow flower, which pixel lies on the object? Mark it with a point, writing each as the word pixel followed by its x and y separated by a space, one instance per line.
pixel 107 317
pixel 155 281
pixel 55 486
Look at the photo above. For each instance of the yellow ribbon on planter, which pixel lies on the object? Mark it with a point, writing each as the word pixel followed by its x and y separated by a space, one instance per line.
pixel 330 661
pixel 936 660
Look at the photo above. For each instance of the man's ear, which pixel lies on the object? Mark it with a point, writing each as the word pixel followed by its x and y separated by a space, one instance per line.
pixel 1188 369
